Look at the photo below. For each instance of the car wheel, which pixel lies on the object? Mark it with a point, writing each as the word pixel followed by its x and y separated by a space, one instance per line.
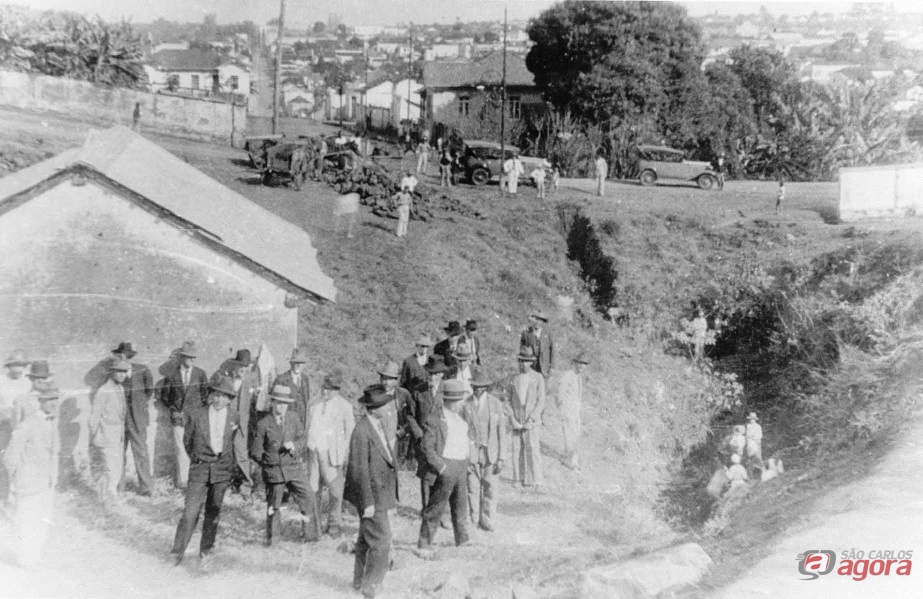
pixel 705 182
pixel 480 176
pixel 648 177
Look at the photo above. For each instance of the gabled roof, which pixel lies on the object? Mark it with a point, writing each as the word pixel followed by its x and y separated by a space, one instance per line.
pixel 487 70
pixel 225 219
pixel 186 60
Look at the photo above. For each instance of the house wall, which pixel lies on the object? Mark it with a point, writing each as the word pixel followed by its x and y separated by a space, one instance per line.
pixel 225 72
pixel 876 191
pixel 84 269
pixel 443 107
pixel 189 117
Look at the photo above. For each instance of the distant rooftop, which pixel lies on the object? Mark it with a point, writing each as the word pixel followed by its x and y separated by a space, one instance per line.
pixel 487 70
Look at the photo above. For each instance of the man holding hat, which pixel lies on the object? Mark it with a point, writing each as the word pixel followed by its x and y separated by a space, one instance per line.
pixel 296 379
pixel 13 385
pixel 413 373
pixel 570 401
pixel 331 427
pixel 184 393
pixel 139 390
pixel 214 442
pixel 470 338
pixel 486 416
pixel 527 401
pixel 277 446
pixel 372 487
pixel 31 459
pixel 106 426
pixel 423 402
pixel 446 347
pixel 447 447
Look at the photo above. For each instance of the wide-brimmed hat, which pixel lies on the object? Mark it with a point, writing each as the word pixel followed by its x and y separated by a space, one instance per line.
pixel 471 325
pixel 39 370
pixel 126 350
pixel 479 379
pixel 282 394
pixel 299 356
pixel 424 339
pixel 120 365
pixel 752 416
pixel 435 365
pixel 224 385
pixel 374 397
pixel 334 380
pixel 390 371
pixel 463 352
pixel 526 354
pixel 17 358
pixel 454 328
pixel 454 390
pixel 188 349
pixel 243 358
pixel 581 358
pixel 539 315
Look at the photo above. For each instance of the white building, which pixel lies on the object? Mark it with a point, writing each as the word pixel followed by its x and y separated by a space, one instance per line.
pixel 196 72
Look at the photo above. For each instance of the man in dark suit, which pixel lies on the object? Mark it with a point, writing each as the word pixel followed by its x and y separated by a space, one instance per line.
pixel 139 390
pixel 215 443
pixel 413 373
pixel 184 394
pixel 277 446
pixel 246 383
pixel 470 338
pixel 371 486
pixel 446 347
pixel 396 424
pixel 424 401
pixel 539 339
pixel 447 446
pixel 296 379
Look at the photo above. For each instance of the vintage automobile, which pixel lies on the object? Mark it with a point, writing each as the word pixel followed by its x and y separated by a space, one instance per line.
pixel 658 163
pixel 256 146
pixel 289 159
pixel 480 162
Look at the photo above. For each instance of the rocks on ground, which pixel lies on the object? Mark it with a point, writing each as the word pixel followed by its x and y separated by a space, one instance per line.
pixel 647 576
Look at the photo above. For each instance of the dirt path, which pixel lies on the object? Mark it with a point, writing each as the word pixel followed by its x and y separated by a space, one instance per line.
pixel 878 513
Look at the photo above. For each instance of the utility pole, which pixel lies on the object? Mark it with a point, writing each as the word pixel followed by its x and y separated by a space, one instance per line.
pixel 503 104
pixel 277 87
pixel 409 69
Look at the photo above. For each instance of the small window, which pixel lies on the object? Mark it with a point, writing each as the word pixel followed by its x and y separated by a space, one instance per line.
pixel 515 107
pixel 195 82
pixel 464 106
pixel 235 83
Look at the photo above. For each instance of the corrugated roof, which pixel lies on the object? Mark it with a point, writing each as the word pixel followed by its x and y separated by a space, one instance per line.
pixel 487 70
pixel 227 217
pixel 186 60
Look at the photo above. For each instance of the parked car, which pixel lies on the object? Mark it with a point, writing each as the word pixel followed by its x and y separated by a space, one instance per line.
pixel 658 163
pixel 256 146
pixel 288 159
pixel 481 163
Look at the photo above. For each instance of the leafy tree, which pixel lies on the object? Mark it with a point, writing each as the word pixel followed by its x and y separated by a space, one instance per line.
pixel 319 27
pixel 768 77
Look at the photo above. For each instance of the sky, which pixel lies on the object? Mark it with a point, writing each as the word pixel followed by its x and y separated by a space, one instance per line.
pixel 389 12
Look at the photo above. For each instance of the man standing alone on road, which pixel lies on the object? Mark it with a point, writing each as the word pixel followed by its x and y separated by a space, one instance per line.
pixel 602 171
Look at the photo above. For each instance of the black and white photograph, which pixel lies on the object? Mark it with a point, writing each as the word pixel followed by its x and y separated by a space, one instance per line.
pixel 427 299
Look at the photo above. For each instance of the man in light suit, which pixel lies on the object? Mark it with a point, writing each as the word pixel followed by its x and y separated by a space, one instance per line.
pixel 216 446
pixel 527 400
pixel 372 488
pixel 485 414
pixel 570 400
pixel 296 379
pixel 277 446
pixel 331 426
pixel 184 392
pixel 106 426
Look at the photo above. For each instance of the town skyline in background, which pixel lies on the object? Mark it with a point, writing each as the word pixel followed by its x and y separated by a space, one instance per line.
pixel 396 12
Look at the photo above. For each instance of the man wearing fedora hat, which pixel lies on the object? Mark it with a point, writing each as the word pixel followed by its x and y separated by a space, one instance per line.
pixel 331 426
pixel 31 459
pixel 413 372
pixel 423 402
pixel 447 448
pixel 470 338
pixel 485 414
pixel 246 385
pixel 446 347
pixel 527 400
pixel 570 401
pixel 395 422
pixel 215 444
pixel 40 378
pixel 296 379
pixel 106 425
pixel 13 385
pixel 462 370
pixel 538 338
pixel 139 390
pixel 184 390
pixel 277 446
pixel 372 488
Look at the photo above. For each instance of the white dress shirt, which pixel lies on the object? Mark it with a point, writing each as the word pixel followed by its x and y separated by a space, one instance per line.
pixel 456 439
pixel 217 420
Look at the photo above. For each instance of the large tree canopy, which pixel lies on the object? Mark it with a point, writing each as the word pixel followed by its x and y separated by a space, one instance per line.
pixel 611 62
